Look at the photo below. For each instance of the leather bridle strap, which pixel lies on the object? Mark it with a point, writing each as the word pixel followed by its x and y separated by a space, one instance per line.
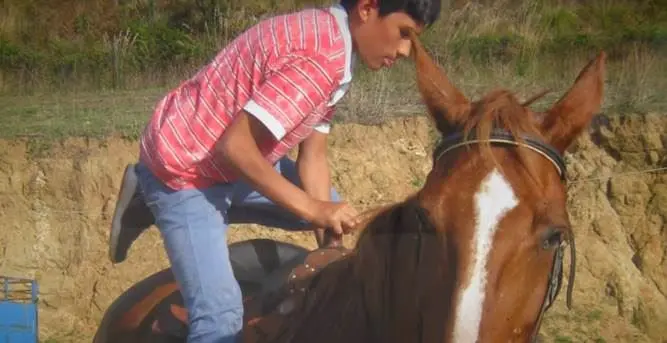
pixel 553 288
pixel 502 137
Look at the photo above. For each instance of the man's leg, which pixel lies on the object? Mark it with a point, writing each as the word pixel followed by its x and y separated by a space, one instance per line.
pixel 249 206
pixel 194 232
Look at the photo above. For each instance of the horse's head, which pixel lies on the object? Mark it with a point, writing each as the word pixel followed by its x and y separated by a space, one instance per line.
pixel 497 190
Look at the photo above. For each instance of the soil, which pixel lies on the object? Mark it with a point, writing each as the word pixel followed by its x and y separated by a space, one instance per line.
pixel 56 210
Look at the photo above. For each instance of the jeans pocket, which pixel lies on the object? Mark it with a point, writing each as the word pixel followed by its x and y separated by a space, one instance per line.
pixel 149 185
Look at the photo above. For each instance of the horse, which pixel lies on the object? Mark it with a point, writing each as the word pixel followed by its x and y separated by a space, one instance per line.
pixel 475 255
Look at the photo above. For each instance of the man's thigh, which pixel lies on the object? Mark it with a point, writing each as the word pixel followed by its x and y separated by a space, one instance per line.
pixel 194 232
pixel 249 206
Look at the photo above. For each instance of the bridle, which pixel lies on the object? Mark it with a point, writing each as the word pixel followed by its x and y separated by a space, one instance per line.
pixel 503 137
pixel 499 136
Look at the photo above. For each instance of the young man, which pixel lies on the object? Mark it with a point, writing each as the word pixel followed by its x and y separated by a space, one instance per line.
pixel 214 151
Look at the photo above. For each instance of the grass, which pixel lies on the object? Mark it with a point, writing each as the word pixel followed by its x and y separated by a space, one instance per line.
pixel 80 79
pixel 594 315
pixel 563 339
pixel 92 114
pixel 631 87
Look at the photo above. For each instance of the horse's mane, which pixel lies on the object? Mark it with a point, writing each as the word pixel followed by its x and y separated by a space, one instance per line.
pixel 499 109
pixel 383 291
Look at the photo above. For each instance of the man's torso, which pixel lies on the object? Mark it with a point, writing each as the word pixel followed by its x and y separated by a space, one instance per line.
pixel 178 142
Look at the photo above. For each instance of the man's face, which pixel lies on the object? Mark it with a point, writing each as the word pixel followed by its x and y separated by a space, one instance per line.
pixel 380 41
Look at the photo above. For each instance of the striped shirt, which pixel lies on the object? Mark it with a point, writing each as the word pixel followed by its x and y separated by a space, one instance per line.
pixel 288 71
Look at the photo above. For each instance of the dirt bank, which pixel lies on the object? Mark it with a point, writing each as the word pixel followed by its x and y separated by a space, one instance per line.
pixel 56 209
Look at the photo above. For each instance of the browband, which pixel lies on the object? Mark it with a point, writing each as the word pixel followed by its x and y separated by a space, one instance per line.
pixel 503 137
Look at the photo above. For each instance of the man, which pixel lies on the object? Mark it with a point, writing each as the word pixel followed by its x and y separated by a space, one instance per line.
pixel 214 151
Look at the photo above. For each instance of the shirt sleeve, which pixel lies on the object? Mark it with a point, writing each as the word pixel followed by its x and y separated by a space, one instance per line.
pixel 291 93
pixel 324 126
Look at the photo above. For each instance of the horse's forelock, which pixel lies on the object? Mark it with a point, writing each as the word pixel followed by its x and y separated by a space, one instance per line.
pixel 500 109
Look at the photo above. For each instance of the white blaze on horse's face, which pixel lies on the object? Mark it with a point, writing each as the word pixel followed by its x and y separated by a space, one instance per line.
pixel 493 200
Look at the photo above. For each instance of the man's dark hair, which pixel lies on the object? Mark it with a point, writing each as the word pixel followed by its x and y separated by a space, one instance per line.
pixel 424 12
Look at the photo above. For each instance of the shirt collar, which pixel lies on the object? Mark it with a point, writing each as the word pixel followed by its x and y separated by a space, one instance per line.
pixel 342 20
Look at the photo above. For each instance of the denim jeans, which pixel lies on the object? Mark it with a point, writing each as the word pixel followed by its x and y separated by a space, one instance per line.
pixel 193 224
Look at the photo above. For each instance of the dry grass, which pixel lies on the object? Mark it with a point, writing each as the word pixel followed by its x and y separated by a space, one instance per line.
pixel 526 49
pixel 524 46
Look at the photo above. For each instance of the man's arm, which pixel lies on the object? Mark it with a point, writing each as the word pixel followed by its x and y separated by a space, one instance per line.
pixel 275 108
pixel 239 149
pixel 313 167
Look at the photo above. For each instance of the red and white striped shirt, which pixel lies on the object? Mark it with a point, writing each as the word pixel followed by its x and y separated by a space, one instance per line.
pixel 288 71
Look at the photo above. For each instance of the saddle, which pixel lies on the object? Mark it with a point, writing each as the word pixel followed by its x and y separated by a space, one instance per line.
pixel 265 312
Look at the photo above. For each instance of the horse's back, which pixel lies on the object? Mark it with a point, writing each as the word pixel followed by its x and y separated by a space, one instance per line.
pixel 131 309
pixel 151 310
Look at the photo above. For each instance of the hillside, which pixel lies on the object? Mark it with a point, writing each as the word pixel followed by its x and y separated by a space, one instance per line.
pixel 69 45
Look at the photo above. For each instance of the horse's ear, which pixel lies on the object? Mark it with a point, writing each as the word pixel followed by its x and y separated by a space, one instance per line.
pixel 563 123
pixel 447 105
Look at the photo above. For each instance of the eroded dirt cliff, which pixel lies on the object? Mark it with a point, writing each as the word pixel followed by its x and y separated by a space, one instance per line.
pixel 55 213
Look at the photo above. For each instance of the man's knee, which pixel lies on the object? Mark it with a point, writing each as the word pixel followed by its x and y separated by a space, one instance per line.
pixel 216 312
pixel 217 326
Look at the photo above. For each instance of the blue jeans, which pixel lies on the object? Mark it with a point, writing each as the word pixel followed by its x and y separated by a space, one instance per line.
pixel 193 224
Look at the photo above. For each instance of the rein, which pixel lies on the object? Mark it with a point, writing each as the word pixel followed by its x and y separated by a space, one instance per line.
pixel 554 284
pixel 547 151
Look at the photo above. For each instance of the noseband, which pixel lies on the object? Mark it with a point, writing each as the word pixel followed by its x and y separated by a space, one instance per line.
pixel 502 137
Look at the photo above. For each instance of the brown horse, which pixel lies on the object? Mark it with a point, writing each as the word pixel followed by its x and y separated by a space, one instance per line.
pixel 475 255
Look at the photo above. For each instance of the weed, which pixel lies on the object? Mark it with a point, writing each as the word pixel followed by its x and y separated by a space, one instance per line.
pixel 563 339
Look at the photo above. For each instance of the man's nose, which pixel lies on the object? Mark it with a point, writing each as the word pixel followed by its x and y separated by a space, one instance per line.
pixel 404 48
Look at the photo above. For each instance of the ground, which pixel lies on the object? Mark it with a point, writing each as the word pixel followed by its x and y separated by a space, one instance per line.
pixel 56 211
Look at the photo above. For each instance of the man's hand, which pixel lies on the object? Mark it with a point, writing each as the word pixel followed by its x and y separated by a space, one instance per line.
pixel 313 168
pixel 339 217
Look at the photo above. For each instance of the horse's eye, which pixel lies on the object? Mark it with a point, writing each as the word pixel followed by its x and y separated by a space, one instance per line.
pixel 552 238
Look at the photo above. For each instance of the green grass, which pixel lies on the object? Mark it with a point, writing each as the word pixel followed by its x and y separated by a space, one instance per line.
pixel 594 315
pixel 96 70
pixel 563 339
pixel 97 113
pixel 84 114
pixel 151 43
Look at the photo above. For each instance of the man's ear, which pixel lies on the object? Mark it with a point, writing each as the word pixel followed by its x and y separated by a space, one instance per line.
pixel 364 9
pixel 565 121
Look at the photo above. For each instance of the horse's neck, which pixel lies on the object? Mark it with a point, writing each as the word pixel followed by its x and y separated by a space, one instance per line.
pixel 409 294
pixel 395 287
pixel 404 272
